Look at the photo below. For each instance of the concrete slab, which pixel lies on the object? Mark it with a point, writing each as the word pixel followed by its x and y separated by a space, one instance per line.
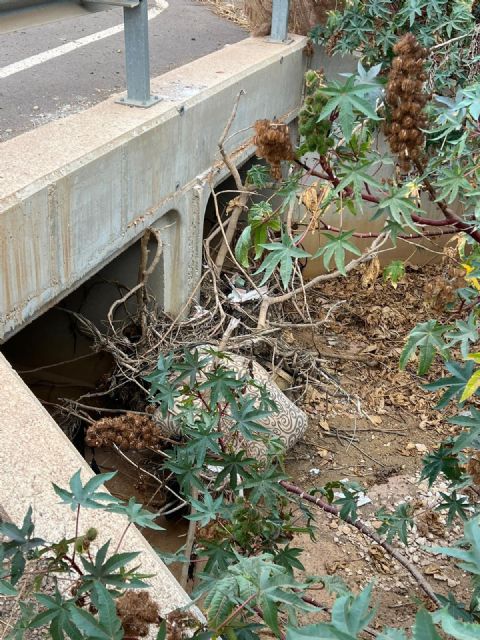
pixel 35 453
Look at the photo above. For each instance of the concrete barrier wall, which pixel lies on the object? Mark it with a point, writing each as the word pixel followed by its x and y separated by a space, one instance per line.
pixel 76 192
pixel 35 453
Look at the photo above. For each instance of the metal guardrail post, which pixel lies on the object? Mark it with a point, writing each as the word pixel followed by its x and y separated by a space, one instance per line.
pixel 137 60
pixel 280 9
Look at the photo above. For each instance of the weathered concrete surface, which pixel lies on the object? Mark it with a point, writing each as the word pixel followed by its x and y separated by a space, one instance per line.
pixel 35 453
pixel 76 192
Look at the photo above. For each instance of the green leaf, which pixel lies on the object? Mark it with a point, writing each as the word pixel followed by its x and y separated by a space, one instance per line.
pixel 336 248
pixel 136 514
pixel 206 510
pixel 395 524
pixel 162 631
pixel 455 383
pixel 394 272
pixel 111 571
pixel 456 629
pixel 399 207
pixel 456 505
pixel 472 386
pixel 424 628
pixel 282 254
pixel 107 612
pixel 243 246
pixel 86 495
pixel 6 589
pixel 451 181
pixel 348 100
pixel 427 337
pixel 466 332
pixel 469 557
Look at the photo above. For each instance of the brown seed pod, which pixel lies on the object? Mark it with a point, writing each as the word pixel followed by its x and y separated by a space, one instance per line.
pixel 406 99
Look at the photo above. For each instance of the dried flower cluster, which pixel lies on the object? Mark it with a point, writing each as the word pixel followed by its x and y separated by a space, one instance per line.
pixel 273 143
pixel 137 611
pixel 406 99
pixel 130 431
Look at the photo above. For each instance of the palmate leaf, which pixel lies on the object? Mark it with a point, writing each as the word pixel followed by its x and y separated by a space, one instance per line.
pixel 395 524
pixel 424 629
pixel 336 248
pixel 457 505
pixel 246 416
pixel 470 438
pixel 86 495
pixel 465 333
pixel 451 181
pixel 56 612
pixel 454 383
pixel 235 465
pixel 136 514
pixel 350 615
pixel 356 177
pixel 399 207
pixel 348 99
pixel 282 254
pixel 455 628
pixel 427 337
pixel 469 557
pixel 442 460
pixel 207 510
pixel 265 485
pixel 111 571
pixel 107 625
pixel 394 272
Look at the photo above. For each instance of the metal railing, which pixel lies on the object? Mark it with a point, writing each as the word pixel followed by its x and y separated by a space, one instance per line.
pixel 15 14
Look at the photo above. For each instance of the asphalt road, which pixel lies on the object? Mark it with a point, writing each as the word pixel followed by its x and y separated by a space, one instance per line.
pixel 34 91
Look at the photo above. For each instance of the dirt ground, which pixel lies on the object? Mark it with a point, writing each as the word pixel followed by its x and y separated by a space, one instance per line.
pixel 383 449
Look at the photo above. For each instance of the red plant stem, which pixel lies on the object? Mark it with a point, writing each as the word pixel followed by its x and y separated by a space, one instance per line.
pixel 451 219
pixel 362 527
pixel 77 523
pixel 402 236
pixel 74 565
pixel 122 537
pixel 235 612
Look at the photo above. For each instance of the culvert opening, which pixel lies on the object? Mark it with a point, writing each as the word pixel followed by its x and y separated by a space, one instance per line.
pixel 75 378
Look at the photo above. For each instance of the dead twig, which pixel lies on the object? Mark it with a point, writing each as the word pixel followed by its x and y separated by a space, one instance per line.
pixel 358 524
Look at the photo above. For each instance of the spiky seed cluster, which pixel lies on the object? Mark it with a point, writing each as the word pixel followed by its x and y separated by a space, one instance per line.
pixel 273 143
pixel 406 99
pixel 316 134
pixel 137 611
pixel 130 431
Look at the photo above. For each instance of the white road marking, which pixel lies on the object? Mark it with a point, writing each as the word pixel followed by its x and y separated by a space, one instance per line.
pixel 39 58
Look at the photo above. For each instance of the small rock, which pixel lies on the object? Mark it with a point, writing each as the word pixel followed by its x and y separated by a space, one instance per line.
pixel 440 577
